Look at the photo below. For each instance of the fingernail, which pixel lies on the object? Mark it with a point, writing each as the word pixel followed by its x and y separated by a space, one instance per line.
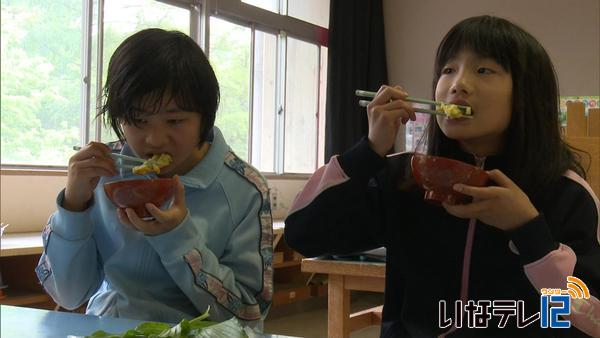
pixel 458 187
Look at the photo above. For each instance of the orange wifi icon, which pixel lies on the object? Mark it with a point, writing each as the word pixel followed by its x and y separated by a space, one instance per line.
pixel 577 288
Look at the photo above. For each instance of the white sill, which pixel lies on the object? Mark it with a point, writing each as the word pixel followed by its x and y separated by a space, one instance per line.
pixel 21 244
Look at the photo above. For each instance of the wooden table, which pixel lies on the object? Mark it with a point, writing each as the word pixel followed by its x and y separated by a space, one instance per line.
pixel 344 276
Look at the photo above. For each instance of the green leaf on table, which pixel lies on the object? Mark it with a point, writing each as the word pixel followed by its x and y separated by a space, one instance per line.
pixel 150 328
pixel 231 328
pixel 178 331
pixel 128 334
pixel 194 328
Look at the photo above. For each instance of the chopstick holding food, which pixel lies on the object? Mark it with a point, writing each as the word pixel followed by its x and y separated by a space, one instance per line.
pixel 121 161
pixel 448 109
pixel 151 165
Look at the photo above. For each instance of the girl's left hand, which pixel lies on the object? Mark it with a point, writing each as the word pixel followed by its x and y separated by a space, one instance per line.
pixel 164 221
pixel 505 206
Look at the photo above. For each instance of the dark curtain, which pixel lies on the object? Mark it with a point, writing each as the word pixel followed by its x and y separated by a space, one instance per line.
pixel 356 61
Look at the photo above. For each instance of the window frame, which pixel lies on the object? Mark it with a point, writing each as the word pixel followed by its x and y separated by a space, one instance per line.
pixel 200 11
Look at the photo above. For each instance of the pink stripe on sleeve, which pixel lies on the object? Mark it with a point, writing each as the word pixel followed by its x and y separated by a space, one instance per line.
pixel 551 271
pixel 325 177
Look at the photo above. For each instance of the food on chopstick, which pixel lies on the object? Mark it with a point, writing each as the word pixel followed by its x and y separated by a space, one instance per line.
pixel 454 111
pixel 153 165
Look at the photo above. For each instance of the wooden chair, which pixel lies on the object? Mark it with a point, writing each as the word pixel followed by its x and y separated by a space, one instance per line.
pixel 583 133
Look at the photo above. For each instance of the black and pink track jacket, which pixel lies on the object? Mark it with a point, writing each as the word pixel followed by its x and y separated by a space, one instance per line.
pixel 354 203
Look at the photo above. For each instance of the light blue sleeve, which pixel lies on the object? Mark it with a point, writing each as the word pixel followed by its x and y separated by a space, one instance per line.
pixel 69 268
pixel 239 283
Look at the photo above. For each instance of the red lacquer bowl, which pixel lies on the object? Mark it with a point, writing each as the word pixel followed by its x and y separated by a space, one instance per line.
pixel 136 193
pixel 436 175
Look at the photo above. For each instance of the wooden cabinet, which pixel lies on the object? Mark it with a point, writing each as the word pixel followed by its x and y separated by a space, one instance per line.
pixel 583 133
pixel 19 256
pixel 290 284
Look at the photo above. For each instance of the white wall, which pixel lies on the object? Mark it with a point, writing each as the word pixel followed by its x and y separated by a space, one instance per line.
pixel 26 201
pixel 569 31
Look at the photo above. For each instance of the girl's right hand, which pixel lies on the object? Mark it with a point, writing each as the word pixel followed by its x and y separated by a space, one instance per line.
pixel 386 112
pixel 85 169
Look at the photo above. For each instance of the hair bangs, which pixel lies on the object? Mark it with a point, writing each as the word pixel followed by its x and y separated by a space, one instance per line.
pixel 153 67
pixel 487 38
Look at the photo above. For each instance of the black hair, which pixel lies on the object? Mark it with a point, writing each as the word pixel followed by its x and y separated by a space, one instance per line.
pixel 533 135
pixel 153 63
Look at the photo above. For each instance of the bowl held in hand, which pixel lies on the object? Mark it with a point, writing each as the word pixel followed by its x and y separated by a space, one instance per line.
pixel 436 175
pixel 136 193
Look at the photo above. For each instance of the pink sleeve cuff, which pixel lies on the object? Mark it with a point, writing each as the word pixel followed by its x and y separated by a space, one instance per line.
pixel 325 177
pixel 551 271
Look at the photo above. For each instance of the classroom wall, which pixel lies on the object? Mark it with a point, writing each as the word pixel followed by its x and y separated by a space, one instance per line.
pixel 569 30
pixel 26 201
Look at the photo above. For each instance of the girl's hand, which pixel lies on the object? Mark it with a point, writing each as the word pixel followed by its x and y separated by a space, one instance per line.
pixel 164 221
pixel 504 206
pixel 386 112
pixel 85 169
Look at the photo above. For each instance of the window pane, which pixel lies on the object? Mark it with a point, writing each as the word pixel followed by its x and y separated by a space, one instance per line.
pixel 270 5
pixel 415 130
pixel 124 18
pixel 313 11
pixel 301 104
pixel 40 82
pixel 230 56
pixel 264 100
pixel 322 99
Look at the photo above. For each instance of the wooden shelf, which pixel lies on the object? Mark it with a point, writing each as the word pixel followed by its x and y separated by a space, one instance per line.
pixel 23 287
pixel 290 283
pixel 20 244
pixel 290 292
pixel 22 297
pixel 286 264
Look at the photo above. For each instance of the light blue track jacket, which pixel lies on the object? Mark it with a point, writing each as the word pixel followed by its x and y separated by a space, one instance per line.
pixel 220 255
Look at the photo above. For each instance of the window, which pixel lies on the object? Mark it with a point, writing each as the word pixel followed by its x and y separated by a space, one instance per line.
pixel 301 100
pixel 313 11
pixel 230 57
pixel 264 103
pixel 271 68
pixel 40 82
pixel 414 132
pixel 270 5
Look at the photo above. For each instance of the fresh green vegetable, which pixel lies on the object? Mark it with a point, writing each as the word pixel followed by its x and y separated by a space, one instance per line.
pixel 195 328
